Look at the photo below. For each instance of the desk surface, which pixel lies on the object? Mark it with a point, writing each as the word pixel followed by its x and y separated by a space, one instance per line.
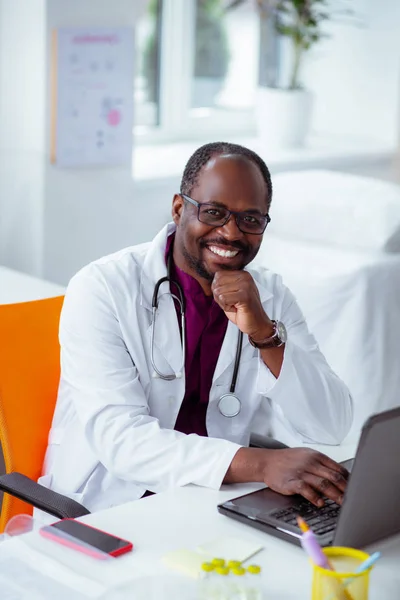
pixel 187 517
pixel 19 287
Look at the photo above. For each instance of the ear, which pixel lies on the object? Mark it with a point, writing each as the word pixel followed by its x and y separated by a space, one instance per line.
pixel 177 208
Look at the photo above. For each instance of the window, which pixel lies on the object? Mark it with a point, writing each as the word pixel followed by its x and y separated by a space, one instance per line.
pixel 197 70
pixel 146 91
pixel 225 56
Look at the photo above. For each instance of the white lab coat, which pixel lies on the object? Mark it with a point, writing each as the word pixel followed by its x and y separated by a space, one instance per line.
pixel 113 434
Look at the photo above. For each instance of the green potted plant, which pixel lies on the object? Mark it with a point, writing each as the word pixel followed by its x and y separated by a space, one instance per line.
pixel 284 108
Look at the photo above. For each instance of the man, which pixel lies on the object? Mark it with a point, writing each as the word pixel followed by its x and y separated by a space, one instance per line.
pixel 131 417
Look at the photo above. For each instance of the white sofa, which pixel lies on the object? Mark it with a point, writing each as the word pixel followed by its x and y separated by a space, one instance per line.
pixel 335 239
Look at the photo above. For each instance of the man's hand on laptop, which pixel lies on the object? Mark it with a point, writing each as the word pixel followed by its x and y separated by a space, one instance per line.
pixel 291 471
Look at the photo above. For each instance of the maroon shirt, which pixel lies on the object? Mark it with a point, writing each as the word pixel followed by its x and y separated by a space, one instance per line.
pixel 206 325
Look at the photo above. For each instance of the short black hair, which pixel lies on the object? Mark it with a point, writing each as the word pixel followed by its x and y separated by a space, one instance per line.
pixel 203 154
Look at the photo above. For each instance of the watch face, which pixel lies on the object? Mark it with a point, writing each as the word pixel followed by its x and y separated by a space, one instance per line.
pixel 281 331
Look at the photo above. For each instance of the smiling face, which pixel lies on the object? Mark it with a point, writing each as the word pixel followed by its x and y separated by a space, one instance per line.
pixel 226 181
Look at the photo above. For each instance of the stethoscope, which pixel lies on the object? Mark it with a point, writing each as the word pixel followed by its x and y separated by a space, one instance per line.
pixel 229 404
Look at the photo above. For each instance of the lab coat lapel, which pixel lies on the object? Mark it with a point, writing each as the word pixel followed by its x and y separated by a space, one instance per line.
pixel 167 339
pixel 154 267
pixel 228 350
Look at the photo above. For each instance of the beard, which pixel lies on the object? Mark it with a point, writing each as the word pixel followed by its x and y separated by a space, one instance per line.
pixel 199 266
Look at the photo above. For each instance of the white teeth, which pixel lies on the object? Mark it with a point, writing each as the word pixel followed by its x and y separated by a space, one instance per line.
pixel 224 253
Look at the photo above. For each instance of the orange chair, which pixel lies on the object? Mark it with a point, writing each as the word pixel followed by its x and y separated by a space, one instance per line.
pixel 29 376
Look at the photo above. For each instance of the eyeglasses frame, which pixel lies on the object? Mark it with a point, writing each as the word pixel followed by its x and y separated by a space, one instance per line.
pixel 236 214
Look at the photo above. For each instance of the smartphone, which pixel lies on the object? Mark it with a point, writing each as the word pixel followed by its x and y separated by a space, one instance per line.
pixel 85 538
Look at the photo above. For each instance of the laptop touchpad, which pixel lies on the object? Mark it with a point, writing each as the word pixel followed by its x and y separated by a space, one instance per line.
pixel 262 502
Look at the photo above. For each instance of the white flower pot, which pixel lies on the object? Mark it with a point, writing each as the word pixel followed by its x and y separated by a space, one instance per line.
pixel 283 117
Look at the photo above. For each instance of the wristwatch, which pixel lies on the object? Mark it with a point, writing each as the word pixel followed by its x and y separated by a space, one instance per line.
pixel 278 338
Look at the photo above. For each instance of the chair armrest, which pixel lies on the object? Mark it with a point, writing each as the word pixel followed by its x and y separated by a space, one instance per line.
pixel 37 495
pixel 262 441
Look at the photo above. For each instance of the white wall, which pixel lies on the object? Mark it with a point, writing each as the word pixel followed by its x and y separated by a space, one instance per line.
pixel 355 74
pixel 53 221
pixel 107 214
pixel 22 133
pixel 88 212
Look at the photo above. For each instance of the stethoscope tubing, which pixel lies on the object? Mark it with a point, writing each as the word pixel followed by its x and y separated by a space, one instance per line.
pixel 180 298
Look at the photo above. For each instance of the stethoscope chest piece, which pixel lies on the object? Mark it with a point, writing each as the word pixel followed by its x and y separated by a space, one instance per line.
pixel 229 405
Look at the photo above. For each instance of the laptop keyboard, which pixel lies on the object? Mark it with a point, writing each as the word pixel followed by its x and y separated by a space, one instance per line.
pixel 320 520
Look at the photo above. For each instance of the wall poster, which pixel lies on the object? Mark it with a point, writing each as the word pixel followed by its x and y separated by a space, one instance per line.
pixel 92 96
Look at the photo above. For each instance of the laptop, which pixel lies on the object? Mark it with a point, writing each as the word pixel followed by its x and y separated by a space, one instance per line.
pixel 371 504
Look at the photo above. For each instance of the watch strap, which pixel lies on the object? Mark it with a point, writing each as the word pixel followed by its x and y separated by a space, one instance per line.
pixel 272 341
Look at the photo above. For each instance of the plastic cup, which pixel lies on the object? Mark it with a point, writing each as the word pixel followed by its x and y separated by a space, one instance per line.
pixel 343 583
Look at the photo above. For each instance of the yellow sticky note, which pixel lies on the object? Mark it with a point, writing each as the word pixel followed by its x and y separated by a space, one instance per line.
pixel 231 548
pixel 186 562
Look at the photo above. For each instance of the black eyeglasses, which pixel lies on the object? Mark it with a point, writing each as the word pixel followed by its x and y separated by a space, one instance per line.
pixel 217 216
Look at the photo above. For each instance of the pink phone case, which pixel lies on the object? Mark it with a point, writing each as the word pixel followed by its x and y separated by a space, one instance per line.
pixel 56 535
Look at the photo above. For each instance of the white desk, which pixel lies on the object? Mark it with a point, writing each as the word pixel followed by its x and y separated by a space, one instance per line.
pixel 187 517
pixel 19 287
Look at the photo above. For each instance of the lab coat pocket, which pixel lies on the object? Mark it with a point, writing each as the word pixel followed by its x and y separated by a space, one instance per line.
pixel 41 517
pixel 73 461
pixel 64 463
pixel 47 480
pixel 56 435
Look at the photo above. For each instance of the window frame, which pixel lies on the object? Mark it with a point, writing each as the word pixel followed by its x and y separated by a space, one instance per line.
pixel 177 120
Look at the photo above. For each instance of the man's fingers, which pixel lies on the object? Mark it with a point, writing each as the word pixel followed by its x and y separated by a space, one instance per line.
pixel 229 299
pixel 222 277
pixel 324 486
pixel 228 283
pixel 308 491
pixel 334 477
pixel 334 466
pixel 226 289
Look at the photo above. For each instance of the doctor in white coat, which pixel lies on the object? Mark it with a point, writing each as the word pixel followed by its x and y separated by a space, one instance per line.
pixel 119 429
